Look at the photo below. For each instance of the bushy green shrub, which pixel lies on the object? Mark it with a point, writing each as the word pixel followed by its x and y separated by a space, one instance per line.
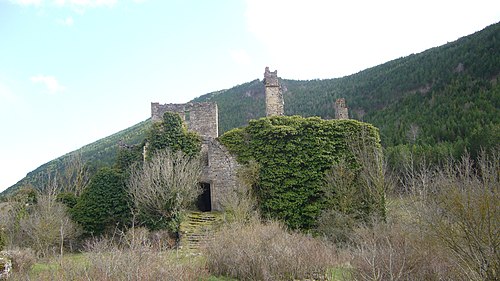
pixel 67 198
pixel 293 154
pixel 104 203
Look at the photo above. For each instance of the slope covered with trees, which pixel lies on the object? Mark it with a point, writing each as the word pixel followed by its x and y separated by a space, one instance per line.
pixel 447 96
pixel 437 102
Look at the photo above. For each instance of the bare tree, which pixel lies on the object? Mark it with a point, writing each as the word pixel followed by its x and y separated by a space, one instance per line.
pixel 75 175
pixel 464 214
pixel 47 226
pixel 36 220
pixel 166 184
pixel 71 176
pixel 413 132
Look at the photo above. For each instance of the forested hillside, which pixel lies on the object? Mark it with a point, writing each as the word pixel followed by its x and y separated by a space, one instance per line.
pixel 439 102
pixel 447 96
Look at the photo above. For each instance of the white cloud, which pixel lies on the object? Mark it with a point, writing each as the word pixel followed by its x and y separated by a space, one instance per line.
pixel 50 82
pixel 68 21
pixel 241 57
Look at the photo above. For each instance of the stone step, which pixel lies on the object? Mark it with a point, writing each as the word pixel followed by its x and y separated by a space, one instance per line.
pixel 196 229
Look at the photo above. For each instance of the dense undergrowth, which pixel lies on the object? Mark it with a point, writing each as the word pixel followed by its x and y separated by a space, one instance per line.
pixel 442 224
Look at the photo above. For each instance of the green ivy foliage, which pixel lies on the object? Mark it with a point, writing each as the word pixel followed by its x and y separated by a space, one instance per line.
pixel 104 204
pixel 128 156
pixel 67 198
pixel 171 133
pixel 293 154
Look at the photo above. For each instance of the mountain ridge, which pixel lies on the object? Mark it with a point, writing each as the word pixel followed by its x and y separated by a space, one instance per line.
pixel 444 96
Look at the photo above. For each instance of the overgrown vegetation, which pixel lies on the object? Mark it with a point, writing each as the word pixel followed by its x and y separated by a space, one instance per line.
pixel 294 153
pixel 462 211
pixel 434 103
pixel 268 251
pixel 104 204
pixel 172 134
pixel 163 187
pixel 440 221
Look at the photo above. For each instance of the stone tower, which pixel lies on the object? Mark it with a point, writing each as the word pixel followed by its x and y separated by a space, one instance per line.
pixel 200 117
pixel 341 109
pixel 274 96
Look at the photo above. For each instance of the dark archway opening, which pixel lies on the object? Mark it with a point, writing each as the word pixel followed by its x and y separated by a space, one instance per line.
pixel 204 203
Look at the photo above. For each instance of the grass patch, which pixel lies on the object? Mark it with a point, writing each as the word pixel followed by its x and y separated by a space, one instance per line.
pixel 56 264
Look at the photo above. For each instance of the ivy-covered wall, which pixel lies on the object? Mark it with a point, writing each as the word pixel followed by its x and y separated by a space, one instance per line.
pixel 172 133
pixel 294 154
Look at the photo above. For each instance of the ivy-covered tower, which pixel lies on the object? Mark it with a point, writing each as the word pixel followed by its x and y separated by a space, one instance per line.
pixel 274 96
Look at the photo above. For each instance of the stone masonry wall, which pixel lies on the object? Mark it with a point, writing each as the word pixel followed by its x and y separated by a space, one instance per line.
pixel 341 109
pixel 219 166
pixel 199 117
pixel 220 173
pixel 274 95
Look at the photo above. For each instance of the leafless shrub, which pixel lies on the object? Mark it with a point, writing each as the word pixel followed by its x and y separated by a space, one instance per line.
pixel 355 189
pixel 464 214
pixel 257 251
pixel 165 185
pixel 391 252
pixel 42 225
pixel 336 226
pixel 142 237
pixel 46 227
pixel 415 178
pixel 454 209
pixel 22 259
pixel 108 262
pixel 75 176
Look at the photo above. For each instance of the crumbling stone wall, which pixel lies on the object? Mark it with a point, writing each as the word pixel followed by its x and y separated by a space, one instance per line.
pixel 201 118
pixel 219 166
pixel 341 109
pixel 220 173
pixel 274 95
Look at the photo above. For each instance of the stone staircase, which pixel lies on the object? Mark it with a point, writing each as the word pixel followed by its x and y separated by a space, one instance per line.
pixel 196 229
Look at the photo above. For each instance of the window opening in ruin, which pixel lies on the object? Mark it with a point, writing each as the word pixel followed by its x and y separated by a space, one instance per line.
pixel 204 203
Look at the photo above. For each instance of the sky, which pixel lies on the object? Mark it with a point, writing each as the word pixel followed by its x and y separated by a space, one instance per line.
pixel 75 71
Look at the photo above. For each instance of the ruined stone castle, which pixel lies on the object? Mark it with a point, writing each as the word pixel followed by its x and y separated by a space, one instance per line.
pixel 219 167
pixel 219 170
pixel 274 95
pixel 341 109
